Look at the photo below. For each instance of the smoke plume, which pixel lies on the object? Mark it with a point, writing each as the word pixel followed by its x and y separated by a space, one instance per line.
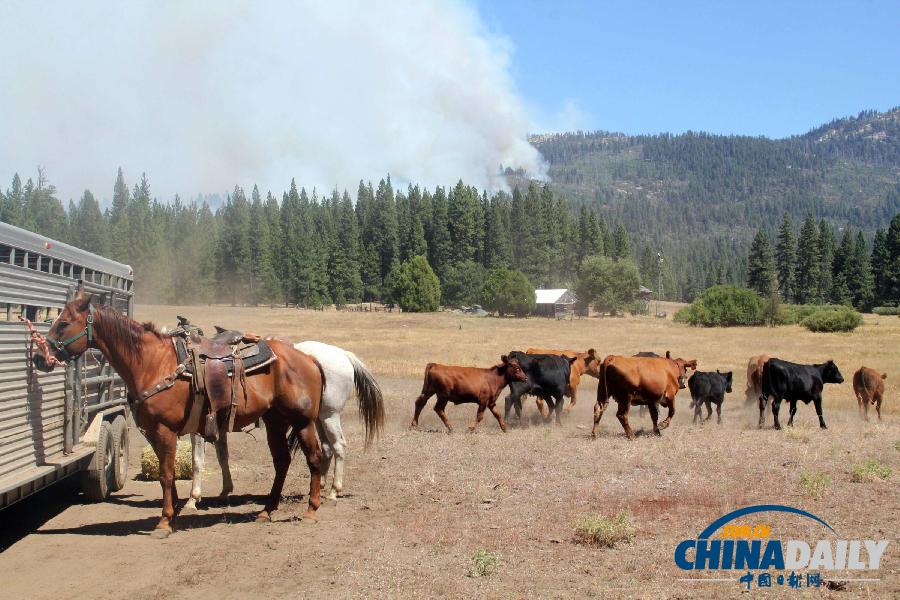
pixel 202 96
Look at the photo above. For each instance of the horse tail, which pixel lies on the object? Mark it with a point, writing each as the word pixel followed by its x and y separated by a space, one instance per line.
pixel 294 431
pixel 369 398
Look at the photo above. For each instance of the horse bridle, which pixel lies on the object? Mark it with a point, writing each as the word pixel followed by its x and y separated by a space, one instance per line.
pixel 62 345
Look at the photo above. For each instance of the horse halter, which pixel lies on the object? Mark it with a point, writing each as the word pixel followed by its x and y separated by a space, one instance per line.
pixel 61 345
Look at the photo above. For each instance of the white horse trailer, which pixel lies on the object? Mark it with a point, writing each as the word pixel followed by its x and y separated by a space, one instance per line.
pixel 73 421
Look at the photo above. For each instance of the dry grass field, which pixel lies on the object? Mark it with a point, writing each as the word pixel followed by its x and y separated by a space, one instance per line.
pixel 421 504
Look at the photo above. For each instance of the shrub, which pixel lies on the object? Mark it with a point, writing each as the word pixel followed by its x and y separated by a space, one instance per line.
pixel 598 530
pixel 793 314
pixel 415 286
pixel 463 283
pixel 724 306
pixel 886 310
pixel 841 318
pixel 611 286
pixel 483 563
pixel 814 483
pixel 508 292
pixel 871 470
pixel 184 466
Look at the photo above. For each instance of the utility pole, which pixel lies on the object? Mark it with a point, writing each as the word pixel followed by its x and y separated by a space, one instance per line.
pixel 659 261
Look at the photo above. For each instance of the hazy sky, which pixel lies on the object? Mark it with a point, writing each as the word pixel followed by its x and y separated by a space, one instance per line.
pixel 428 90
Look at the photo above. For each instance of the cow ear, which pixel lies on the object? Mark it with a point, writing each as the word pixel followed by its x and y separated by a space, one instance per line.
pixel 592 353
pixel 668 354
pixel 504 359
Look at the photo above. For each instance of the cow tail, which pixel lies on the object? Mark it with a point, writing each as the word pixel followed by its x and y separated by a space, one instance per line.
pixel 369 398
pixel 870 397
pixel 602 382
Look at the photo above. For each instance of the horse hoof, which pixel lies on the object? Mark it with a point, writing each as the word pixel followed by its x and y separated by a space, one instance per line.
pixel 332 496
pixel 310 516
pixel 263 517
pixel 161 533
pixel 191 504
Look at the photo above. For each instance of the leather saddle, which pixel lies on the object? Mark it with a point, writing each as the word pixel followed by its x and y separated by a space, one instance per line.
pixel 216 367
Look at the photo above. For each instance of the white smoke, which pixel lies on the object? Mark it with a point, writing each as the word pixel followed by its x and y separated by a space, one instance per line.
pixel 205 95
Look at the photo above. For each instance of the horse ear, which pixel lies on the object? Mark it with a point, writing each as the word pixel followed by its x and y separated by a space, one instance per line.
pixel 83 301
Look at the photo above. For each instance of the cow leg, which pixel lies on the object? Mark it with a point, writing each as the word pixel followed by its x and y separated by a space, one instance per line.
pixel 439 409
pixel 513 401
pixel 668 420
pixel 763 400
pixel 478 417
pixel 559 409
pixel 719 413
pixel 654 417
pixel 598 413
pixel 539 402
pixel 622 415
pixel 793 405
pixel 878 406
pixel 698 410
pixel 708 410
pixel 496 412
pixel 573 396
pixel 776 406
pixel 420 404
pixel 817 401
pixel 863 408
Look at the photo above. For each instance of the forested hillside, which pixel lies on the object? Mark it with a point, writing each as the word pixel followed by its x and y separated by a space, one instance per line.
pixel 698 198
pixel 701 198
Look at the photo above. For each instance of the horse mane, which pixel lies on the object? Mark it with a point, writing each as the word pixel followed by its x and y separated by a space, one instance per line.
pixel 123 332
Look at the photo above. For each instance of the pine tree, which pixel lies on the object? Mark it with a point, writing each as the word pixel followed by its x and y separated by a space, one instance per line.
pixel 439 249
pixel 13 204
pixel 785 258
pixel 462 214
pixel 826 257
pixel 840 269
pixel 892 273
pixel 806 286
pixel 860 280
pixel 346 283
pixel 881 260
pixel 89 226
pixel 761 265
pixel 264 284
pixel 621 245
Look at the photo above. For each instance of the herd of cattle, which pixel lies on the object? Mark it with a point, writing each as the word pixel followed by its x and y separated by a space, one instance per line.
pixel 645 379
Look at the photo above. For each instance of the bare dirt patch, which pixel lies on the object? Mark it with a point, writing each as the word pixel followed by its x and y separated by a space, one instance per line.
pixel 421 503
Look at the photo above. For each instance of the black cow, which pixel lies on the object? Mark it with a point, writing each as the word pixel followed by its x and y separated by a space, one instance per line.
pixel 783 380
pixel 548 376
pixel 709 388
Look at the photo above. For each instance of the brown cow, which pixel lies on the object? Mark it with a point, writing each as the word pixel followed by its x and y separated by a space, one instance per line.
pixel 642 381
pixel 868 385
pixel 467 385
pixel 586 363
pixel 754 378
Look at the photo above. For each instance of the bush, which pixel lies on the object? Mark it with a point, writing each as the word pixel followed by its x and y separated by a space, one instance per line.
pixel 724 306
pixel 611 286
pixel 886 310
pixel 508 292
pixel 463 283
pixel 598 530
pixel 483 563
pixel 871 470
pixel 842 318
pixel 184 466
pixel 793 314
pixel 415 287
pixel 814 483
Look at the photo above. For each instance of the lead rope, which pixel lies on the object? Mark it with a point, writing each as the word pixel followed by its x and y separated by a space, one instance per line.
pixel 36 338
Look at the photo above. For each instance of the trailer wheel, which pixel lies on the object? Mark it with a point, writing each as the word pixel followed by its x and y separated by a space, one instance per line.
pixel 119 432
pixel 100 476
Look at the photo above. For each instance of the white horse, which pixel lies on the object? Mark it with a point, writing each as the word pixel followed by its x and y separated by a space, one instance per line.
pixel 345 375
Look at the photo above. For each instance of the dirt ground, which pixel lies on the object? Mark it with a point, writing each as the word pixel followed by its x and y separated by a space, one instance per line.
pixel 420 503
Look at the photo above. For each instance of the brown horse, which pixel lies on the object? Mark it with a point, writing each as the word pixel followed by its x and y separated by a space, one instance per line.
pixel 285 394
